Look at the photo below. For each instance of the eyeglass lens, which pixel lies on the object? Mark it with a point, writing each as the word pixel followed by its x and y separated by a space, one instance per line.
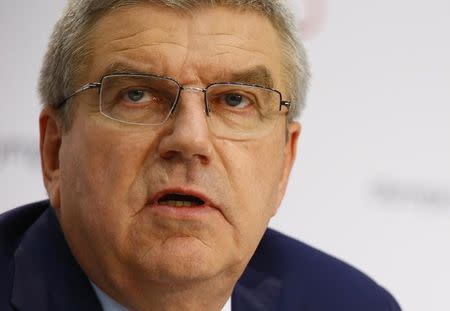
pixel 235 110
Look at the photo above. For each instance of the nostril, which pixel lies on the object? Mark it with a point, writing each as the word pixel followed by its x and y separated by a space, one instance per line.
pixel 169 154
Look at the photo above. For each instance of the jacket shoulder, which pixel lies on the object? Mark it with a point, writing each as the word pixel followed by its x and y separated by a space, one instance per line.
pixel 13 225
pixel 316 279
pixel 15 222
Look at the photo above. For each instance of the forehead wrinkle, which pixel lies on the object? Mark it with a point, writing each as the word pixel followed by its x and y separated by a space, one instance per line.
pixel 129 36
pixel 144 45
pixel 140 40
pixel 158 35
pixel 241 48
pixel 225 35
pixel 142 59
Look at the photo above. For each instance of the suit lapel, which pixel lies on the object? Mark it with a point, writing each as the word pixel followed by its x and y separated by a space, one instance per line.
pixel 46 276
pixel 255 291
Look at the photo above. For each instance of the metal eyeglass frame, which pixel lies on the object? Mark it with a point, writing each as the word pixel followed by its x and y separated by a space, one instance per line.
pixel 92 85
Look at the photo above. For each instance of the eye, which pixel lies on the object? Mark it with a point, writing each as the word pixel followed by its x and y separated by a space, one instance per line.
pixel 236 100
pixel 136 96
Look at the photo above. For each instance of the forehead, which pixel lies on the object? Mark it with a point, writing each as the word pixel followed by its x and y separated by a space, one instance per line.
pixel 203 46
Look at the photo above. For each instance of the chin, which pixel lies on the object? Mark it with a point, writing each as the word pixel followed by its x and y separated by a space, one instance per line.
pixel 181 259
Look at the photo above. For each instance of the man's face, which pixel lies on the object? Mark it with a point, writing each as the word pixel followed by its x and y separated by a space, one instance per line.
pixel 110 175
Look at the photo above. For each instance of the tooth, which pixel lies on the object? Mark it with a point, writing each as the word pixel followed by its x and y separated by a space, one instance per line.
pixel 177 203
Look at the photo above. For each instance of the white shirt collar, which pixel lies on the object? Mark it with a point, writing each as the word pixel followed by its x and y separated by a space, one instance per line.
pixel 109 304
pixel 227 306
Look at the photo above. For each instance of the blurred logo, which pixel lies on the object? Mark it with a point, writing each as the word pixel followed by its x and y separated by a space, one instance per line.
pixel 19 149
pixel 411 194
pixel 313 20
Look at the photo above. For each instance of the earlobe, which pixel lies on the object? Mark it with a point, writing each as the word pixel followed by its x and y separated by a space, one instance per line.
pixel 290 151
pixel 50 143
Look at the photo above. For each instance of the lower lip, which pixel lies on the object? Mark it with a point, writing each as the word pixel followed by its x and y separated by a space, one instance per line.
pixel 182 212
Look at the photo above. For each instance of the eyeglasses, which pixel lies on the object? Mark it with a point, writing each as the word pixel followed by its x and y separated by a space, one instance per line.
pixel 234 110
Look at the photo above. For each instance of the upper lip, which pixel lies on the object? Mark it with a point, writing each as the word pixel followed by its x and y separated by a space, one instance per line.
pixel 183 191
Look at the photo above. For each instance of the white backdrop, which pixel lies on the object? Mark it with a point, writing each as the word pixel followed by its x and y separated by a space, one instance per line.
pixel 372 183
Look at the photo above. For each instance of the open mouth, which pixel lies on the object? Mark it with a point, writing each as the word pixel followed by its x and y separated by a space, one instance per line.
pixel 180 200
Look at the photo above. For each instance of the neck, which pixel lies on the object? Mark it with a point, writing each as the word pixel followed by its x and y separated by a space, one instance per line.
pixel 194 295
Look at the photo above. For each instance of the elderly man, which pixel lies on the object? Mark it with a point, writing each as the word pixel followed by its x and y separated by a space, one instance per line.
pixel 167 139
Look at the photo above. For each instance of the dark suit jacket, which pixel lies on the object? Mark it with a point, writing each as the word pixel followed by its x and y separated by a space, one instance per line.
pixel 38 272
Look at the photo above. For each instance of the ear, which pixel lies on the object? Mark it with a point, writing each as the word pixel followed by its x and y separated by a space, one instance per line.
pixel 50 143
pixel 289 155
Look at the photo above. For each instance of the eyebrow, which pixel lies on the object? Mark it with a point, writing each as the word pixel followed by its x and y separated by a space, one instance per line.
pixel 258 75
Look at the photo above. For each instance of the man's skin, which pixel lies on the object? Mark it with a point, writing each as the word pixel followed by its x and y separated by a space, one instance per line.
pixel 103 177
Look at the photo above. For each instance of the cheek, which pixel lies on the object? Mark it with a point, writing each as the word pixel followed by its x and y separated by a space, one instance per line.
pixel 104 179
pixel 265 177
pixel 254 170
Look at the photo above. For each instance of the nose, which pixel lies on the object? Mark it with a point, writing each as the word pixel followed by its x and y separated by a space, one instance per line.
pixel 188 136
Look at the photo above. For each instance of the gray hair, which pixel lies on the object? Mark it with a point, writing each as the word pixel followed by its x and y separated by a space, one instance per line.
pixel 69 47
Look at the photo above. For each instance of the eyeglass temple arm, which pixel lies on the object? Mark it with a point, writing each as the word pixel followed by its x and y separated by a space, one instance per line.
pixel 81 89
pixel 285 103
